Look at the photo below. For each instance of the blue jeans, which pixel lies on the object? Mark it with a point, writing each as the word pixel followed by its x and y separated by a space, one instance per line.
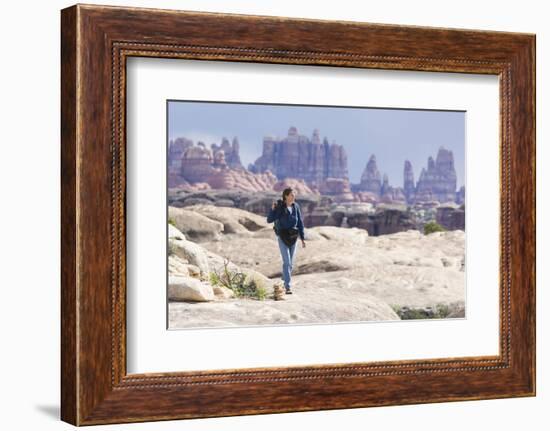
pixel 287 254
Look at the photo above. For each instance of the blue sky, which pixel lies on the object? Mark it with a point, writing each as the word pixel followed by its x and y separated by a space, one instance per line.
pixel 393 135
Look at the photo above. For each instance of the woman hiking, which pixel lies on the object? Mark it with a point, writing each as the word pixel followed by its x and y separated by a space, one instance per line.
pixel 288 225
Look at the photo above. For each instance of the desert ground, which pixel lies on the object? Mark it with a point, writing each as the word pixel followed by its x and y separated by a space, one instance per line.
pixel 342 275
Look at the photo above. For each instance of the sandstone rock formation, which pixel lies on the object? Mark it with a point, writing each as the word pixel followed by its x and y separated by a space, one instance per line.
pixel 175 233
pixel 190 267
pixel 451 216
pixel 370 179
pixel 339 188
pixel 218 167
pixel 176 149
pixel 461 195
pixel 196 163
pixel 373 189
pixel 409 187
pixel 298 185
pixel 297 156
pixel 391 194
pixel 342 275
pixel 309 165
pixel 184 252
pixel 240 179
pixel 317 210
pixel 347 304
pixel 352 235
pixel 177 182
pixel 230 152
pixel 438 181
pixel 234 220
pixel 194 225
pixel 382 219
pixel 189 289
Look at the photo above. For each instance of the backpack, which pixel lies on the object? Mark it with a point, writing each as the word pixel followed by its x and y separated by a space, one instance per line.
pixel 276 227
pixel 276 224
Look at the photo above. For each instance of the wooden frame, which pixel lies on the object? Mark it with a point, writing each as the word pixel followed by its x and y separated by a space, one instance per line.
pixel 95 43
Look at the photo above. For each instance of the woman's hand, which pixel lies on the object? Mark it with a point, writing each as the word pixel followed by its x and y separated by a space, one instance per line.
pixel 303 244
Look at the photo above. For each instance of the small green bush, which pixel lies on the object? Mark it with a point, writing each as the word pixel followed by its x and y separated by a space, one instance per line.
pixel 396 308
pixel 172 221
pixel 214 279
pixel 439 311
pixel 257 286
pixel 432 227
pixel 241 285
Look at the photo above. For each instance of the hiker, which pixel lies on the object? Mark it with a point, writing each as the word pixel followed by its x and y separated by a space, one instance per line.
pixel 288 226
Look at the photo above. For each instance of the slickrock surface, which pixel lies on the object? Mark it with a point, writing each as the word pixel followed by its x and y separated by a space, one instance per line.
pixel 343 274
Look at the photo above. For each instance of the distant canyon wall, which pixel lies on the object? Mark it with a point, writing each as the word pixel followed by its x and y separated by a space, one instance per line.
pixel 310 165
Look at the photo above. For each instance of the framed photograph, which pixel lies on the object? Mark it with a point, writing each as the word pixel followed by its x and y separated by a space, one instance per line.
pixel 266 214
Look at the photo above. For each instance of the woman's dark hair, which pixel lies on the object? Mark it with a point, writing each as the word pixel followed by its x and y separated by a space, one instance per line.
pixel 286 192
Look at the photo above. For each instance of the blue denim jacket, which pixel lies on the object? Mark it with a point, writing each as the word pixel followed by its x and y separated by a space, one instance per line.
pixel 286 220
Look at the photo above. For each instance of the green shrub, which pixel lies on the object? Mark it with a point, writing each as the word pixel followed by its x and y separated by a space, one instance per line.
pixel 432 227
pixel 396 308
pixel 214 279
pixel 172 221
pixel 261 293
pixel 242 285
pixel 440 311
pixel 413 314
pixel 256 285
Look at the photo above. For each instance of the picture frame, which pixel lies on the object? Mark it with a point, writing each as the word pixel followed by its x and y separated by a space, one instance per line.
pixel 96 41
